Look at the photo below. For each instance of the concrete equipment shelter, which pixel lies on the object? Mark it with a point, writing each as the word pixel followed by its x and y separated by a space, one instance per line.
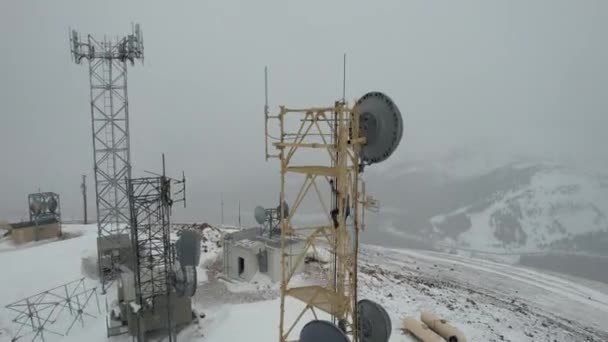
pixel 24 232
pixel 248 252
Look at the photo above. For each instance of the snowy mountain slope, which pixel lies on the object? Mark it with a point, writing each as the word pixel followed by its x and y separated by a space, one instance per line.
pixel 486 300
pixel 514 208
pixel 554 206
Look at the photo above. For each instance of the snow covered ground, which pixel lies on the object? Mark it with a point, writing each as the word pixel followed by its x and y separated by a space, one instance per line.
pixel 35 267
pixel 487 300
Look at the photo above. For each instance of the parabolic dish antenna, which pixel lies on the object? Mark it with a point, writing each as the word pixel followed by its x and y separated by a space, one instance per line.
pixel 322 331
pixel 380 122
pixel 40 204
pixel 52 205
pixel 260 214
pixel 188 248
pixel 185 281
pixel 374 323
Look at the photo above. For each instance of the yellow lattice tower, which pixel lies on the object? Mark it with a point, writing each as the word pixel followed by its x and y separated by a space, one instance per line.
pixel 338 142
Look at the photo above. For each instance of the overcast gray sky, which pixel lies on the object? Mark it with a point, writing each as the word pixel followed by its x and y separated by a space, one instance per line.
pixel 519 76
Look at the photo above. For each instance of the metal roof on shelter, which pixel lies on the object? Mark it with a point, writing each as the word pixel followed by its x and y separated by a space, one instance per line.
pixel 38 222
pixel 247 238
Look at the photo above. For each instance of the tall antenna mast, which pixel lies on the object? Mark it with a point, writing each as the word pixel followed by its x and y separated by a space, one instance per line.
pixel 266 91
pixel 222 208
pixel 239 214
pixel 344 79
pixel 266 110
pixel 109 110
pixel 83 187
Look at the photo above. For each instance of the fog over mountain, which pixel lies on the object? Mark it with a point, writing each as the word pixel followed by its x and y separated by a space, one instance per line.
pixel 520 207
pixel 497 80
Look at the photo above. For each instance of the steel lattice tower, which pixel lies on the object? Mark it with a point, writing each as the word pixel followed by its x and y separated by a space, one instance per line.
pixel 150 202
pixel 150 228
pixel 110 133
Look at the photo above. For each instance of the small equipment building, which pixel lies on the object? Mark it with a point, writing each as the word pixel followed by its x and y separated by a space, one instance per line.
pixel 45 219
pixel 248 252
pixel 28 231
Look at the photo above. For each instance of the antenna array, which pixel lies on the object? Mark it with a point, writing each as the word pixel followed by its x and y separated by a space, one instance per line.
pixel 110 135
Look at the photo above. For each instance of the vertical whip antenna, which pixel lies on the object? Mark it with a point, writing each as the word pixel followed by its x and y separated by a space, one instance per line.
pixel 344 79
pixel 266 111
